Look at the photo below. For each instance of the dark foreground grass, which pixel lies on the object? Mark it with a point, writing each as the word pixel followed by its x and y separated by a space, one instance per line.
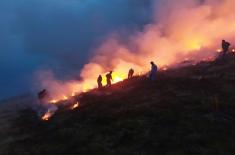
pixel 186 111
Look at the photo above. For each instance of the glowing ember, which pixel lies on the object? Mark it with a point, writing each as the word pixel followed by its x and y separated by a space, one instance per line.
pixel 75 106
pixel 65 97
pixel 53 101
pixel 219 50
pixel 165 68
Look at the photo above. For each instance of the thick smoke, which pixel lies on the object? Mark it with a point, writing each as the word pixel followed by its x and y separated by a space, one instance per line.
pixel 59 35
pixel 181 29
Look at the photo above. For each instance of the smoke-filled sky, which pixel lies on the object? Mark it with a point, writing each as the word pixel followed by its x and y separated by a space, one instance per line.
pixel 66 44
pixel 59 35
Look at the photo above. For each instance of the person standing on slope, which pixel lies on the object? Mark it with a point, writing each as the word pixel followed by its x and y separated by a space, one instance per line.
pixel 225 47
pixel 130 73
pixel 153 72
pixel 109 78
pixel 99 82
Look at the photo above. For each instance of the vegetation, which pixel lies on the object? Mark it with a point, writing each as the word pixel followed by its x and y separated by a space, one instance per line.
pixel 189 110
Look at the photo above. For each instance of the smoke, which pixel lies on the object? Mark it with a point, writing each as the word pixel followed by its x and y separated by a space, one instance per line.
pixel 180 29
pixel 59 35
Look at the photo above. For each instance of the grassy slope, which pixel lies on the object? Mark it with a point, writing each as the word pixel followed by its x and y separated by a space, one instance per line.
pixel 186 111
pixel 8 112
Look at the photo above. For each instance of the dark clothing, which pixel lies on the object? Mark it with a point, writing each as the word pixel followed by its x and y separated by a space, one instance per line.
pixel 42 94
pixel 109 78
pixel 225 47
pixel 99 81
pixel 131 73
pixel 153 72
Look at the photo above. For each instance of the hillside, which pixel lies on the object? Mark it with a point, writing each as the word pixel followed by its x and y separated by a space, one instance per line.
pixel 188 110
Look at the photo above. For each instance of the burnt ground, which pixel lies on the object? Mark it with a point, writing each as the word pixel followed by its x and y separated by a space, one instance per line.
pixel 188 110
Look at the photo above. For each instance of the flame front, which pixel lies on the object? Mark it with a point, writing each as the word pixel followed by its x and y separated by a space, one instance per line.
pixel 181 30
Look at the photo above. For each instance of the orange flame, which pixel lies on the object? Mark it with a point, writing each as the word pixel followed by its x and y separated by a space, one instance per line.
pixel 118 77
pixel 168 41
pixel 219 50
pixel 47 115
pixel 165 69
pixel 54 101
pixel 75 106
pixel 65 97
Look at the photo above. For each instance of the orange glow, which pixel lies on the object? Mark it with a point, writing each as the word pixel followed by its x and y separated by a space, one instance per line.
pixel 53 101
pixel 186 59
pixel 193 45
pixel 117 77
pixel 184 31
pixel 219 50
pixel 165 68
pixel 65 97
pixel 86 87
pixel 75 106
pixel 47 115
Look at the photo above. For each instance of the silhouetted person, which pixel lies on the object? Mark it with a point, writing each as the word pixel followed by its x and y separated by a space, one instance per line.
pixel 130 73
pixel 109 78
pixel 99 81
pixel 42 95
pixel 153 72
pixel 225 47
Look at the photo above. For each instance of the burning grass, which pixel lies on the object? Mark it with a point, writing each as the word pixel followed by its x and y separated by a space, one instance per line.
pixel 189 110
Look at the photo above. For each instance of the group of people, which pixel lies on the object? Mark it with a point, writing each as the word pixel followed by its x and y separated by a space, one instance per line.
pixel 153 71
pixel 109 78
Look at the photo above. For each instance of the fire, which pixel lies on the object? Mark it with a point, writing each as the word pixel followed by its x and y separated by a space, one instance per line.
pixel 164 68
pixel 47 115
pixel 183 31
pixel 219 50
pixel 53 101
pixel 86 87
pixel 75 106
pixel 117 77
pixel 65 97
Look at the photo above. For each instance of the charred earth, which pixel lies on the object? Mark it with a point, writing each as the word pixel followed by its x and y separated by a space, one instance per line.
pixel 188 110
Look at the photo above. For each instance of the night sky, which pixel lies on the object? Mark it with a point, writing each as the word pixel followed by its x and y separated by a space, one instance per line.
pixel 59 35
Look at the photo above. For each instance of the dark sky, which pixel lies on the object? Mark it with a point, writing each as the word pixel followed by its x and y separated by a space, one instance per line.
pixel 59 35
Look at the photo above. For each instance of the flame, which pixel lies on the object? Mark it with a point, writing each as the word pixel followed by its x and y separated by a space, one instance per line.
pixel 118 77
pixel 47 115
pixel 65 97
pixel 165 69
pixel 54 101
pixel 219 50
pixel 75 106
pixel 185 30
